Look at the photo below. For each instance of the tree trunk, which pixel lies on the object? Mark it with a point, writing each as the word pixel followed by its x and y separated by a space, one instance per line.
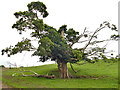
pixel 63 70
pixel 59 68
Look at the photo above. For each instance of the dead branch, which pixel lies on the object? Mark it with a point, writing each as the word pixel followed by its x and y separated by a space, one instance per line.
pixel 11 64
pixel 97 30
pixel 45 76
pixel 32 72
pixel 94 42
pixel 82 33
pixel 27 71
pixel 82 41
pixel 92 53
pixel 36 74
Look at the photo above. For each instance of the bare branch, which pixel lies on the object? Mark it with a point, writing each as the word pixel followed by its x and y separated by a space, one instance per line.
pixel 92 53
pixel 94 42
pixel 95 53
pixel 83 33
pixel 92 37
pixel 82 41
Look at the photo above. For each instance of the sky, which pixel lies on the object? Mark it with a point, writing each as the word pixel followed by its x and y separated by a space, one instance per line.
pixel 77 14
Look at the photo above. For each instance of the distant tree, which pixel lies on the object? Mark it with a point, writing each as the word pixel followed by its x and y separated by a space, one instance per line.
pixel 54 44
pixel 2 66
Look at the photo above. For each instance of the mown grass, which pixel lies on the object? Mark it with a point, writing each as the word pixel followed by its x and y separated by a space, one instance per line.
pixel 97 75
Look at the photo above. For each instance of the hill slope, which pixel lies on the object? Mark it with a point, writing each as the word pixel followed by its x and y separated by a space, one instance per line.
pixel 97 75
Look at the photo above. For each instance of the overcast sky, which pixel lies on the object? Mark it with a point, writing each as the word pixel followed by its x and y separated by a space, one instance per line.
pixel 77 14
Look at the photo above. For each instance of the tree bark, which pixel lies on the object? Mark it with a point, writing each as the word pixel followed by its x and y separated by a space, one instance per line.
pixel 63 70
pixel 59 68
pixel 62 65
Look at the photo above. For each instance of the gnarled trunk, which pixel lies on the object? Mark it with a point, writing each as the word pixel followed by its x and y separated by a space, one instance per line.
pixel 63 70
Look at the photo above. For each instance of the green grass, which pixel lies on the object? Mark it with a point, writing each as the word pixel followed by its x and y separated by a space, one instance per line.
pixel 107 77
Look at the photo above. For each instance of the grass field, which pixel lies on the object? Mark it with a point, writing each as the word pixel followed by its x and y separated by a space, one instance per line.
pixel 97 75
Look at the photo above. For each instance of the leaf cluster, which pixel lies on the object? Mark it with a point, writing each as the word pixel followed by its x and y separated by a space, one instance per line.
pixel 24 45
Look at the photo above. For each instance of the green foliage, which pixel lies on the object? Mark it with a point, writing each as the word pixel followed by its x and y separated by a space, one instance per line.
pixel 30 19
pixel 63 27
pixel 115 37
pixel 38 25
pixel 103 56
pixel 46 42
pixel 107 24
pixel 38 6
pixel 44 48
pixel 85 35
pixel 52 45
pixel 77 54
pixel 72 35
pixel 24 45
pixel 25 14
